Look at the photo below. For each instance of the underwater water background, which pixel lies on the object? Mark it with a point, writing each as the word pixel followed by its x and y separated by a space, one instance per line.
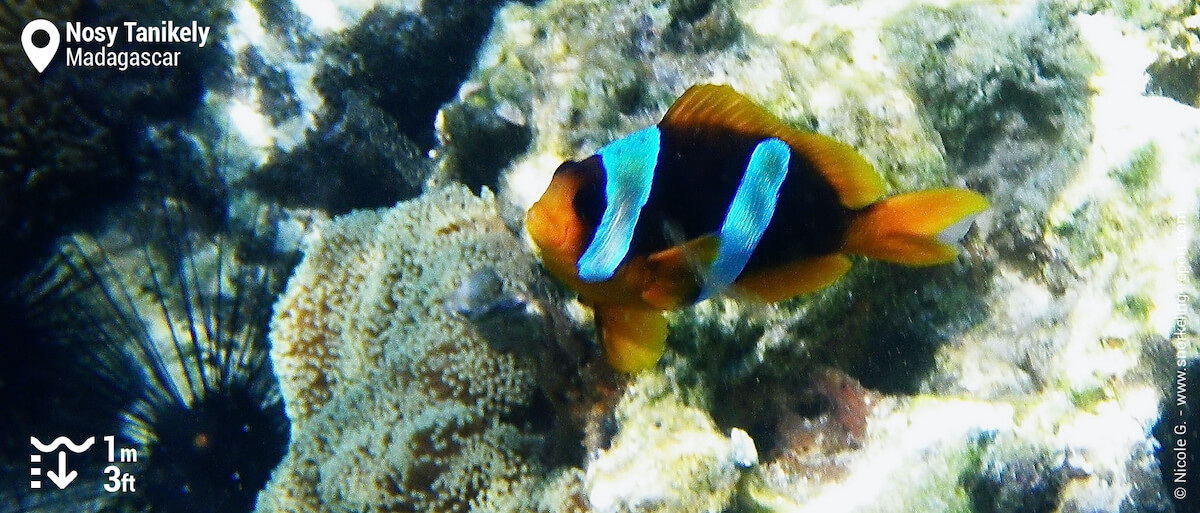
pixel 281 264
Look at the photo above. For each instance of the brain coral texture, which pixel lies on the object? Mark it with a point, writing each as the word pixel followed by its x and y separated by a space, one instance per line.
pixel 395 403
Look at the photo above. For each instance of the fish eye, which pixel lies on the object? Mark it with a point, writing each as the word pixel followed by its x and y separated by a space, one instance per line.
pixel 589 202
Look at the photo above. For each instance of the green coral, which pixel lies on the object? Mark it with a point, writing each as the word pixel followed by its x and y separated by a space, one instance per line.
pixel 1080 232
pixel 1136 306
pixel 1086 399
pixel 1178 79
pixel 1137 174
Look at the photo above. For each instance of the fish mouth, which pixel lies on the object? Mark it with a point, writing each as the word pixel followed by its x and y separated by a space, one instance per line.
pixel 549 230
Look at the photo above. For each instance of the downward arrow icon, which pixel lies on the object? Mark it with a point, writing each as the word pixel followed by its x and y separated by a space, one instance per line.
pixel 62 478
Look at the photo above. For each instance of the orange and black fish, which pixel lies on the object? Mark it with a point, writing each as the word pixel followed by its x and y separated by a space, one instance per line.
pixel 721 195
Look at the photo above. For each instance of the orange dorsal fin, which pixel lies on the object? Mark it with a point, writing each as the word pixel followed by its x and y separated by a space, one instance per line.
pixel 708 105
pixel 719 106
pixel 921 228
pixel 633 339
pixel 676 272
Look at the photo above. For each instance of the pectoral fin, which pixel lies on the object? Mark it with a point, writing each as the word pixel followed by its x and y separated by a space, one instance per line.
pixel 633 339
pixel 675 273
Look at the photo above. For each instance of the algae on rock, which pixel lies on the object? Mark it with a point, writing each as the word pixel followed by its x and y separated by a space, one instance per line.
pixel 667 456
pixel 574 84
pixel 1032 367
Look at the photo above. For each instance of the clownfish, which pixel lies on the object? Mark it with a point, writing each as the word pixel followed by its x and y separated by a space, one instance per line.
pixel 722 196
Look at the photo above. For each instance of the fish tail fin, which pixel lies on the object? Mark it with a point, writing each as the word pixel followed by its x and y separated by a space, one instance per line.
pixel 921 228
pixel 633 338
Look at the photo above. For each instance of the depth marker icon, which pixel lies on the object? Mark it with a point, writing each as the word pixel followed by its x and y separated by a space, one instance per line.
pixel 62 477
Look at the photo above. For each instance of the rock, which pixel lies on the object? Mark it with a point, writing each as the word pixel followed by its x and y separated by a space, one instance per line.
pixel 666 456
pixel 1056 319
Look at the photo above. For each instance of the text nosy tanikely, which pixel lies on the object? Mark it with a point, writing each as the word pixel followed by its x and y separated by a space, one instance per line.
pixel 102 39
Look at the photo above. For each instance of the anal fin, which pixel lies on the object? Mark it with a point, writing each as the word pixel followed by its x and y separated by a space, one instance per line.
pixel 633 338
pixel 793 279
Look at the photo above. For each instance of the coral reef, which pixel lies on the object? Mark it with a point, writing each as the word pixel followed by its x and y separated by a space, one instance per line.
pixel 359 160
pixel 408 63
pixel 404 395
pixel 1056 320
pixel 666 456
pixel 1008 99
pixel 424 362
pixel 346 105
pixel 1175 42
pixel 396 403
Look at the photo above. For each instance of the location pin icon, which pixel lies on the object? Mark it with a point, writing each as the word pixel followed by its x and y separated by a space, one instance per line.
pixel 40 57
